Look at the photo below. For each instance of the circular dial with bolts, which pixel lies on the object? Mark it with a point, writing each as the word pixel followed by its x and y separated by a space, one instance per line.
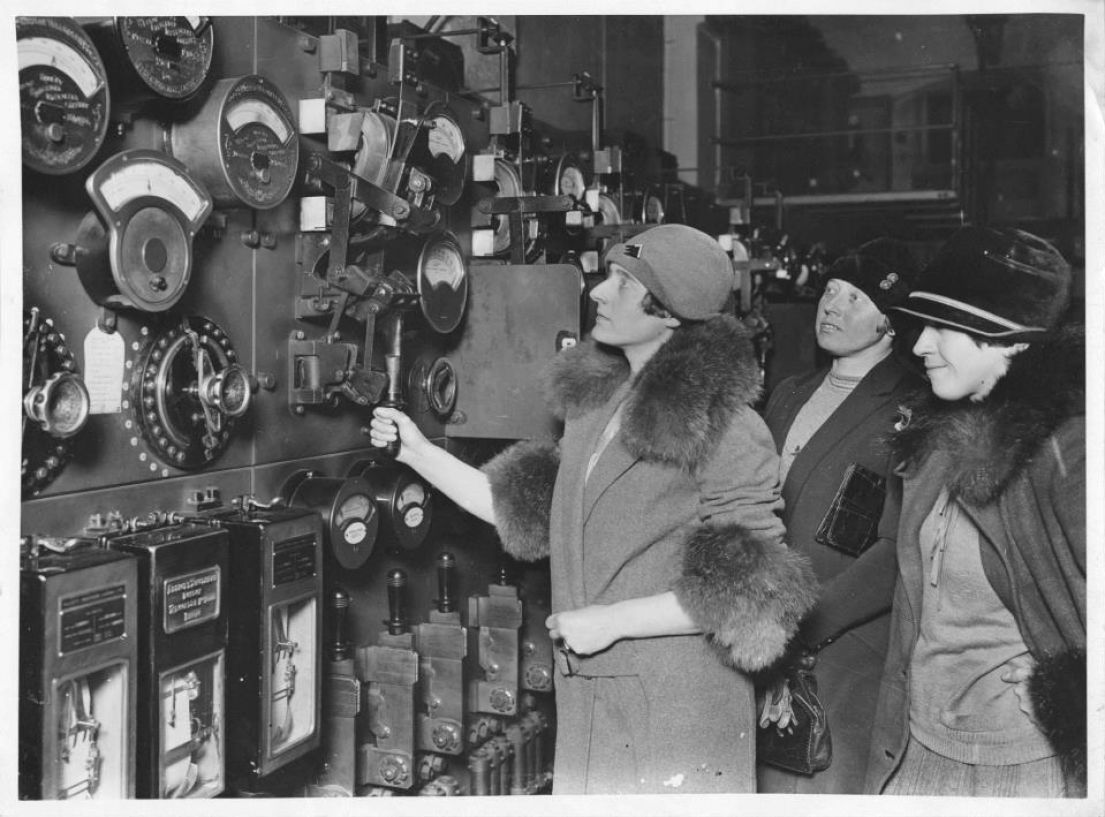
pixel 136 249
pixel 404 500
pixel 63 94
pixel 55 402
pixel 243 144
pixel 188 391
pixel 171 55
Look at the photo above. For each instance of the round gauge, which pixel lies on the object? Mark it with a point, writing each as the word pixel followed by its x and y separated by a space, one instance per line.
pixel 171 55
pixel 653 210
pixel 55 401
pixel 608 209
pixel 439 152
pixel 63 95
pixel 403 499
pixel 509 185
pixel 136 249
pixel 374 149
pixel 569 179
pixel 174 388
pixel 351 521
pixel 442 282
pixel 243 144
pixel 445 139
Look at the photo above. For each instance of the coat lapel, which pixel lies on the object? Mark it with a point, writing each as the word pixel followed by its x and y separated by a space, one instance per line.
pixel 868 397
pixel 613 462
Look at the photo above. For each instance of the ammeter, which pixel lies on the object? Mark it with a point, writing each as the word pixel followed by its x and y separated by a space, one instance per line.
pixel 136 249
pixel 171 56
pixel 63 94
pixel 243 144
pixel 442 282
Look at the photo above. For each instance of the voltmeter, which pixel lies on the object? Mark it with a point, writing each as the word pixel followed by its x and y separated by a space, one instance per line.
pixel 442 282
pixel 136 250
pixel 445 159
pixel 187 391
pixel 350 519
pixel 63 94
pixel 569 180
pixel 403 499
pixel 171 56
pixel 243 144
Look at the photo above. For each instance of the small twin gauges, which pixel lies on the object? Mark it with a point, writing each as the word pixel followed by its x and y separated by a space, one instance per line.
pixel 63 95
pixel 56 403
pixel 351 522
pixel 135 251
pixel 404 500
pixel 442 282
pixel 171 56
pixel 243 144
pixel 188 390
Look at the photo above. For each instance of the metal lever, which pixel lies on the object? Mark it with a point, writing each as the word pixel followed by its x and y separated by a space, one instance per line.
pixel 393 360
pixel 339 609
pixel 446 578
pixel 397 617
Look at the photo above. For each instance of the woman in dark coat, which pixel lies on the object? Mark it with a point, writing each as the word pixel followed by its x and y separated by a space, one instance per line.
pixel 658 509
pixel 984 690
pixel 830 424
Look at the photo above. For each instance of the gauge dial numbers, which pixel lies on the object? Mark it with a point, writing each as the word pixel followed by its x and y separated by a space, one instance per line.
pixel 171 55
pixel 63 95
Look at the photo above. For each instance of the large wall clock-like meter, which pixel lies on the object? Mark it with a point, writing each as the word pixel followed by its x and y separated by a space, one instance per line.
pixel 135 251
pixel 442 282
pixel 349 516
pixel 188 390
pixel 55 401
pixel 63 94
pixel 171 55
pixel 243 144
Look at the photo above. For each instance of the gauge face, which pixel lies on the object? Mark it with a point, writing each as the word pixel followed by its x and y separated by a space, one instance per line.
pixel 443 282
pixel 571 183
pixel 410 505
pixel 63 95
pixel 412 494
pixel 377 137
pixel 357 506
pixel 446 139
pixel 654 210
pixel 172 55
pixel 152 209
pixel 609 210
pixel 259 145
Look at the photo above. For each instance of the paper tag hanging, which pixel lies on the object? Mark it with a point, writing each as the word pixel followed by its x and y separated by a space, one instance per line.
pixel 104 359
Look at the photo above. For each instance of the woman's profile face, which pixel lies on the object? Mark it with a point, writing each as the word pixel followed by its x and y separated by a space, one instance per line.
pixel 957 365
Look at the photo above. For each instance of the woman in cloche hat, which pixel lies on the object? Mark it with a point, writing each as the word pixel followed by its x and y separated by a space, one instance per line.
pixel 984 689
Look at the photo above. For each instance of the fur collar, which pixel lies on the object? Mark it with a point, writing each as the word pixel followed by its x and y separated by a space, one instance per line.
pixel 996 438
pixel 683 398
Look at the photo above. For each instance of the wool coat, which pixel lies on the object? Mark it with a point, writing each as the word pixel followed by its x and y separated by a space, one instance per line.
pixel 853 613
pixel 1015 462
pixel 684 498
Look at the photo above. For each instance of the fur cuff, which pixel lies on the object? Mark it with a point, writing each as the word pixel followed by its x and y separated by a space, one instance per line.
pixel 1057 688
pixel 522 479
pixel 746 593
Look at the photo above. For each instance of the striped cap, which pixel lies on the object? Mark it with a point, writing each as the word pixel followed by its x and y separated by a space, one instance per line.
pixel 999 284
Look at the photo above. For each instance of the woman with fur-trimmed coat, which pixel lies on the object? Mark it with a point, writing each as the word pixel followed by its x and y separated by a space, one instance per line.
pixel 984 689
pixel 659 512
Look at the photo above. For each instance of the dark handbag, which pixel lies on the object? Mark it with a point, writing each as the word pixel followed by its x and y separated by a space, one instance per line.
pixel 851 524
pixel 805 746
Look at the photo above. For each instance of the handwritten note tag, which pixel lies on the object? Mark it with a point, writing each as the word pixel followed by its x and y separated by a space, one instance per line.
pixel 104 356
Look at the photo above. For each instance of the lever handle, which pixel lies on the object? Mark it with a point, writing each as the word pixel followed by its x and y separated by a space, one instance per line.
pixel 446 583
pixel 397 591
pixel 339 611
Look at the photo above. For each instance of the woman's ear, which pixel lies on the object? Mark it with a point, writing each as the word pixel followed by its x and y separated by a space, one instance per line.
pixel 671 322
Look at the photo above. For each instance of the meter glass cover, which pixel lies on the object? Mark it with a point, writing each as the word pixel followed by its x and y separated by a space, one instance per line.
pixel 148 178
pixel 36 51
pixel 412 494
pixel 257 111
pixel 446 139
pixel 357 506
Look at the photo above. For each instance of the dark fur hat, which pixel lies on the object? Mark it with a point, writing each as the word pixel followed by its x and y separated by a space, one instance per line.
pixel 993 283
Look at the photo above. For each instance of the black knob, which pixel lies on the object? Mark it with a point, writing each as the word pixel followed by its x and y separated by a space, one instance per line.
pixel 446 578
pixel 397 591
